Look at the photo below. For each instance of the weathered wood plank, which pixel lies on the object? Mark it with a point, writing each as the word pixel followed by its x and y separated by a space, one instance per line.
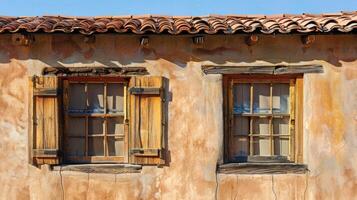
pixel 94 71
pixel 45 153
pixel 49 116
pixel 262 168
pixel 146 121
pixel 268 159
pixel 100 168
pixel 145 91
pixel 47 92
pixel 277 70
pixel 145 152
pixel 303 69
pixel 32 117
pixel 299 121
pixel 238 70
pixel 46 131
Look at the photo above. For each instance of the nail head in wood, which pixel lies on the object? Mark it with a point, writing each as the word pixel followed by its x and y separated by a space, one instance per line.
pixel 252 40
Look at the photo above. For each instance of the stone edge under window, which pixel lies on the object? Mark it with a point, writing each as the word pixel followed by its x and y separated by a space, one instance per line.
pixel 100 168
pixel 262 168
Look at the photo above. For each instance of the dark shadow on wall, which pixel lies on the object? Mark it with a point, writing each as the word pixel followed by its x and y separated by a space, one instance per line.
pixel 59 50
pixel 167 100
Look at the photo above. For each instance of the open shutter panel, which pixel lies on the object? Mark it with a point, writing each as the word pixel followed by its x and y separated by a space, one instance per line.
pixel 45 123
pixel 146 120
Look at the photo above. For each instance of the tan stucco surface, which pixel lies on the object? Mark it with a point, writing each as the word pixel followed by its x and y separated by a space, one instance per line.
pixel 195 117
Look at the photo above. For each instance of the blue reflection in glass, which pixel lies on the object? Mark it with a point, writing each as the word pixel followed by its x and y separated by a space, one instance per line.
pixel 257 109
pixel 95 110
pixel 281 98
pixel 241 98
pixel 245 108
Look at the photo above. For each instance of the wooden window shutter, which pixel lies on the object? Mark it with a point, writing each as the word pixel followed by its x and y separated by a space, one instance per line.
pixel 45 123
pixel 146 120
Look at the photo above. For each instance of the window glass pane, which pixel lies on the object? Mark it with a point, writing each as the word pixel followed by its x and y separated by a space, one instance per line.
pixel 95 146
pixel 77 97
pixel 281 146
pixel 240 125
pixel 116 125
pixel 261 126
pixel 261 98
pixel 241 98
pixel 116 146
pixel 95 97
pixel 281 98
pixel 261 146
pixel 95 125
pixel 76 126
pixel 281 126
pixel 75 146
pixel 115 97
pixel 239 149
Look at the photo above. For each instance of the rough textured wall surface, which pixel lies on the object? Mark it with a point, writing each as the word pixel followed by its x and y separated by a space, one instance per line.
pixel 195 124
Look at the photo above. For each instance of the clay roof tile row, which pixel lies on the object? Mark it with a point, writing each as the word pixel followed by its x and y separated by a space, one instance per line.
pixel 213 24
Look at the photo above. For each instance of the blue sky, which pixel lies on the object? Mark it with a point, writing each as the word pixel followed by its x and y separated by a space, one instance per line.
pixel 170 7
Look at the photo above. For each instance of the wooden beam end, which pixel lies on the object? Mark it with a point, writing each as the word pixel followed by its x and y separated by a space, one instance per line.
pixel 144 41
pixel 20 39
pixel 89 39
pixel 198 40
pixel 252 40
pixel 308 39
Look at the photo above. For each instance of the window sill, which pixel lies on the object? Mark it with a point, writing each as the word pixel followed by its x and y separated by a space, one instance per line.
pixel 100 168
pixel 262 168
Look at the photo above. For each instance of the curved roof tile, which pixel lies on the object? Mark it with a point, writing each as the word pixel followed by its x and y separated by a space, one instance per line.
pixel 306 23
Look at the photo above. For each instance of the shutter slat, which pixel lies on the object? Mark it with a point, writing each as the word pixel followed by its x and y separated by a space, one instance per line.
pixel 46 92
pixel 146 120
pixel 46 120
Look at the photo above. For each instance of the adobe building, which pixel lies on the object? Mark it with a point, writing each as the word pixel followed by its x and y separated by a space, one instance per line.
pixel 157 107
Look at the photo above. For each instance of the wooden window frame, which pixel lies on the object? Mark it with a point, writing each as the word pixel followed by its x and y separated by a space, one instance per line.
pixel 295 121
pixel 96 159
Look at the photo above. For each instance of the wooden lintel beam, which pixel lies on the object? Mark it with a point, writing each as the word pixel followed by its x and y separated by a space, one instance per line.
pixel 303 69
pixel 290 69
pixel 94 71
pixel 238 70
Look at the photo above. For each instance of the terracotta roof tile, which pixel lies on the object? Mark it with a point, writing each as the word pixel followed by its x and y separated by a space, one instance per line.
pixel 212 24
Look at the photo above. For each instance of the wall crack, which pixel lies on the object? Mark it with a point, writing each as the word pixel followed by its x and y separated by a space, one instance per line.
pixel 62 188
pixel 235 197
pixel 216 189
pixel 87 185
pixel 272 187
pixel 306 184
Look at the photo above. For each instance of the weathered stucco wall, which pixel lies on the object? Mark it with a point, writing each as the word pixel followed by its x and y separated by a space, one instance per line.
pixel 195 126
